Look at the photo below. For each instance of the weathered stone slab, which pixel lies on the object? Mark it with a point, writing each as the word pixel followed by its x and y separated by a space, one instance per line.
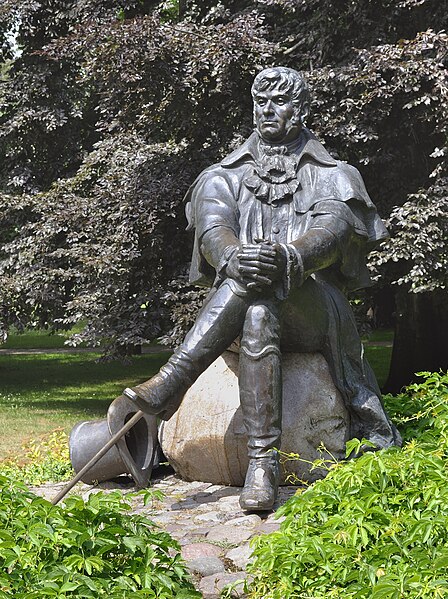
pixel 206 439
pixel 196 550
pixel 241 556
pixel 206 566
pixel 225 533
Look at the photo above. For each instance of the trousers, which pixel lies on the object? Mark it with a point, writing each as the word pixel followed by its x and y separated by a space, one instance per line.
pixel 226 314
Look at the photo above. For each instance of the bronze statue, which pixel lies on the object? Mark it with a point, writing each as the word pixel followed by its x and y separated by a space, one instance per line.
pixel 281 234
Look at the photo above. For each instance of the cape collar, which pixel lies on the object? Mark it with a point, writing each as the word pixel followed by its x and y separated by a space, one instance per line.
pixel 250 150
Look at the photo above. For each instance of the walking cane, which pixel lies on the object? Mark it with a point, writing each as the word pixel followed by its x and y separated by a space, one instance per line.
pixel 97 457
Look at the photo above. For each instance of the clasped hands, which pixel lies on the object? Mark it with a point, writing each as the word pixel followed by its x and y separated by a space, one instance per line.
pixel 257 265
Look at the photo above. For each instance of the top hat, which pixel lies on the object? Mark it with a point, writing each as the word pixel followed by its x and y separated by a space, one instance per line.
pixel 132 454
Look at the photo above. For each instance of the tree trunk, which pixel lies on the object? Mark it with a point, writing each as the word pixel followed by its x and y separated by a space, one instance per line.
pixel 421 332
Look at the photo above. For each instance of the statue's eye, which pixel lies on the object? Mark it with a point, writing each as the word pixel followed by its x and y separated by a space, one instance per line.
pixel 261 101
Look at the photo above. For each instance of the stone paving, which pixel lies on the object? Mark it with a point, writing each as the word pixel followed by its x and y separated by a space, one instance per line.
pixel 206 520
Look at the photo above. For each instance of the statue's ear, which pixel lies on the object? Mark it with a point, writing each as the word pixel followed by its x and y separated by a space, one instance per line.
pixel 301 113
pixel 304 112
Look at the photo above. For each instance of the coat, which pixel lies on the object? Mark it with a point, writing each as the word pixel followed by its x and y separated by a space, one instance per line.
pixel 323 193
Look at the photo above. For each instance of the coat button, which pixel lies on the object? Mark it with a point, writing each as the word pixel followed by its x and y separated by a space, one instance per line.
pixel 276 230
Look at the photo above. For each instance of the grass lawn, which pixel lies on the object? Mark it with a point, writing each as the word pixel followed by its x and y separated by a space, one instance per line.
pixel 35 340
pixel 378 350
pixel 40 393
pixel 379 357
pixel 381 335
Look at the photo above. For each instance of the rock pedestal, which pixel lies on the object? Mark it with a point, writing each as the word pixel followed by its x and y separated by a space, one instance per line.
pixel 206 439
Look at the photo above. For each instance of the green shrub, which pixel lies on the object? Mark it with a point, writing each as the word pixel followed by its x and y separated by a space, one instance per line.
pixel 44 460
pixel 376 527
pixel 87 548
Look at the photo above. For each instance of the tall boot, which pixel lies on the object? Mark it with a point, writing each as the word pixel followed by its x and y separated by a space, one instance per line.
pixel 260 382
pixel 219 322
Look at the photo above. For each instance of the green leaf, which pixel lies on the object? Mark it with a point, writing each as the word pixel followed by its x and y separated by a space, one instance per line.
pixel 134 543
pixel 69 586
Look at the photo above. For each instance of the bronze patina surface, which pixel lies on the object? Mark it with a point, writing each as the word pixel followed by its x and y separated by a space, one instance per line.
pixel 281 230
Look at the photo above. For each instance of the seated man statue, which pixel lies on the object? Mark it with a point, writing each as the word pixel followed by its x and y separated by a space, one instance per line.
pixel 281 231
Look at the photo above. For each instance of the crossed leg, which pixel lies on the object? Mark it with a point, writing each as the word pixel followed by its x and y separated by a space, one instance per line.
pixel 227 313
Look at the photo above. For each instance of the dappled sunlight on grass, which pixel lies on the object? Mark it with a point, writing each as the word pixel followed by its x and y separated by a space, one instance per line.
pixel 42 392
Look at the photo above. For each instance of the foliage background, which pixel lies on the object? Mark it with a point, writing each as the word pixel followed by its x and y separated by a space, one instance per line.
pixel 109 109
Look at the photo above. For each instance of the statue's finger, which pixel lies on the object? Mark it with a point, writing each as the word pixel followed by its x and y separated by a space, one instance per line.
pixel 249 270
pixel 266 267
pixel 254 286
pixel 268 258
pixel 249 247
pixel 266 249
pixel 257 258
pixel 263 280
pixel 258 269
pixel 254 252
pixel 259 279
pixel 258 248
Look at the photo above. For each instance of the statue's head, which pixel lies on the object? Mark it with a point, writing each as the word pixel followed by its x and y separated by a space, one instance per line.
pixel 281 104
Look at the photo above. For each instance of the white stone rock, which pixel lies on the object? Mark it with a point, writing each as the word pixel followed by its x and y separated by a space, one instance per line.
pixel 206 566
pixel 249 520
pixel 209 517
pixel 206 439
pixel 234 535
pixel 240 556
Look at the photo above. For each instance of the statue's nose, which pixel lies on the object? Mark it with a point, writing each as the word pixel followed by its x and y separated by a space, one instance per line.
pixel 267 108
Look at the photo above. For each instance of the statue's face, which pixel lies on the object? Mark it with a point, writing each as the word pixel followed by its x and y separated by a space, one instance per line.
pixel 274 115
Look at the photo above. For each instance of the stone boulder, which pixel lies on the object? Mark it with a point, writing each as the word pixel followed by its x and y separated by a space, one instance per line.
pixel 206 439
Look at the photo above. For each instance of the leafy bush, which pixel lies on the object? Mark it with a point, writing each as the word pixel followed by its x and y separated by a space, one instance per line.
pixel 43 460
pixel 376 526
pixel 88 548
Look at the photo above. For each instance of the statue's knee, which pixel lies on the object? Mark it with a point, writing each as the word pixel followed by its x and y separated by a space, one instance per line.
pixel 261 328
